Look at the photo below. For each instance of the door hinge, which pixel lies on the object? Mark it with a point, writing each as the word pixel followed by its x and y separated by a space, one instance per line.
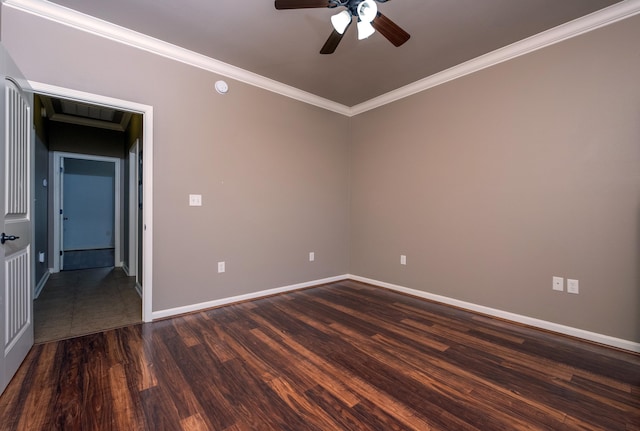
pixel 61 252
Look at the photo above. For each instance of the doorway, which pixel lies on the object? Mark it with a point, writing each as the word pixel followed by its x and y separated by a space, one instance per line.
pixel 87 202
pixel 88 291
pixel 143 270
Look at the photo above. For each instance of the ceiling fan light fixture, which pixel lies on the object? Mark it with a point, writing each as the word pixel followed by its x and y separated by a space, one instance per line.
pixel 365 29
pixel 367 10
pixel 367 18
pixel 341 21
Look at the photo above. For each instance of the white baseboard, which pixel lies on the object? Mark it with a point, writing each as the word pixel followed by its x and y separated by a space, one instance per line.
pixel 138 289
pixel 41 283
pixel 518 318
pixel 255 295
pixel 530 321
pixel 125 268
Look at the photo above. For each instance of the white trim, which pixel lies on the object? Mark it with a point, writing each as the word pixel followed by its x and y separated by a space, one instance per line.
pixel 89 24
pixel 255 295
pixel 147 166
pixel 147 215
pixel 82 96
pixel 57 203
pixel 530 321
pixel 604 17
pixel 41 283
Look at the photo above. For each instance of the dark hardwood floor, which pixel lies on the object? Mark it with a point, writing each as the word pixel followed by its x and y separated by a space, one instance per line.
pixel 344 356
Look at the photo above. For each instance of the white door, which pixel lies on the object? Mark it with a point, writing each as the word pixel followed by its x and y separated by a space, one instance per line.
pixel 15 227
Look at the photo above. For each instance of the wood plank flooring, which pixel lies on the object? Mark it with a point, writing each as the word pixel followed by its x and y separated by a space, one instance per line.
pixel 344 356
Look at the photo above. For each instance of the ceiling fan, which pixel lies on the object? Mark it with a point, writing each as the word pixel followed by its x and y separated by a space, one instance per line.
pixel 366 12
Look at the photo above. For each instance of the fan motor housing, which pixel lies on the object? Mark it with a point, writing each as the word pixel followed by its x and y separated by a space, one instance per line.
pixel 351 5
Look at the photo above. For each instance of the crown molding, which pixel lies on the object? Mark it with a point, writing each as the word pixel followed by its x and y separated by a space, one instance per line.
pixel 601 18
pixel 89 24
pixel 71 18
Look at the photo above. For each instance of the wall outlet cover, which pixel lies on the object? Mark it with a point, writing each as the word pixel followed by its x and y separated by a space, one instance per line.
pixel 558 284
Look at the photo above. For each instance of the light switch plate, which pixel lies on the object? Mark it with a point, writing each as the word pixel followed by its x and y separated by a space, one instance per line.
pixel 195 200
pixel 573 286
pixel 221 267
pixel 312 256
pixel 403 259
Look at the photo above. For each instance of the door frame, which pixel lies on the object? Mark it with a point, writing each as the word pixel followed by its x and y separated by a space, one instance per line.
pixel 132 217
pixel 58 196
pixel 147 165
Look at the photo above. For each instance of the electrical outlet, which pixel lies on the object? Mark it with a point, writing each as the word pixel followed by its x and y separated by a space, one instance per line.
pixel 403 259
pixel 312 256
pixel 558 284
pixel 221 267
pixel 573 286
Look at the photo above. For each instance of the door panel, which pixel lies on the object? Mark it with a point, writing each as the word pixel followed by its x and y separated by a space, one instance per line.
pixel 15 196
pixel 18 299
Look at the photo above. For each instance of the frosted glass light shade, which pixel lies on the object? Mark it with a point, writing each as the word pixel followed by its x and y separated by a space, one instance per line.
pixel 341 21
pixel 367 10
pixel 365 29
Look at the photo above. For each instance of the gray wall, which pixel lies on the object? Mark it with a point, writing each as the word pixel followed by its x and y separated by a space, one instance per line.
pixel 41 194
pixel 495 182
pixel 72 138
pixel 273 172
pixel 41 205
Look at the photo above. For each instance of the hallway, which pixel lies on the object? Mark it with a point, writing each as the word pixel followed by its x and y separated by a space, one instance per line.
pixel 75 303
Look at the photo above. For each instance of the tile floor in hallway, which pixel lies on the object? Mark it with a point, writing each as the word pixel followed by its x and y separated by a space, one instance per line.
pixel 75 303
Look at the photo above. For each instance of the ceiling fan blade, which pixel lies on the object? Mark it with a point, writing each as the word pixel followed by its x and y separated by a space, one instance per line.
pixel 300 4
pixel 332 43
pixel 390 30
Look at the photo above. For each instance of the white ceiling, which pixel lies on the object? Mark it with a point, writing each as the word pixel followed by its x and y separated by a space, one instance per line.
pixel 284 45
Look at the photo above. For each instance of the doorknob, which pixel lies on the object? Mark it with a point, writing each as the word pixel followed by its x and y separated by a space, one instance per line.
pixel 4 238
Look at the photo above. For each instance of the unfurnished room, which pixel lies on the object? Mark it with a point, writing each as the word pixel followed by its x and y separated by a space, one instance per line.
pixel 320 215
